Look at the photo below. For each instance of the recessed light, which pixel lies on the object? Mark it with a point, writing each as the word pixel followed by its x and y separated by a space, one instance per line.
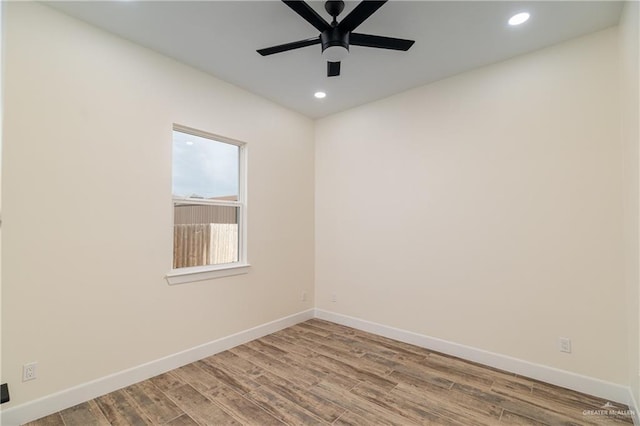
pixel 189 142
pixel 519 18
pixel 320 95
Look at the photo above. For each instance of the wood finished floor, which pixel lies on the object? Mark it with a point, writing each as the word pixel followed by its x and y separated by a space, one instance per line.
pixel 319 372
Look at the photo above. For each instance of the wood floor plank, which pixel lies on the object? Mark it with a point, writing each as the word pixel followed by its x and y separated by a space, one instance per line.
pixel 242 384
pixel 283 409
pixel 85 414
pixel 369 363
pixel 354 358
pixel 310 328
pixel 353 371
pixel 509 418
pixel 345 346
pixel 332 327
pixel 183 420
pixel 319 372
pixel 521 407
pixel 292 373
pixel 326 372
pixel 473 366
pixel 418 377
pixel 533 402
pixel 244 410
pixel 54 419
pixel 121 410
pixel 571 398
pixel 396 404
pixel 265 347
pixel 195 376
pixel 321 408
pixel 386 363
pixel 449 369
pixel 235 363
pixel 350 419
pixel 512 385
pixel 567 404
pixel 318 343
pixel 394 345
pixel 382 347
pixel 364 347
pixel 300 369
pixel 481 411
pixel 292 348
pixel 200 408
pixel 319 368
pixel 457 404
pixel 446 409
pixel 372 412
pixel 166 381
pixel 153 402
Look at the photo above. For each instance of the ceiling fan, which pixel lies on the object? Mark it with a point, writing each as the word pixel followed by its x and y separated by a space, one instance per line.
pixel 336 37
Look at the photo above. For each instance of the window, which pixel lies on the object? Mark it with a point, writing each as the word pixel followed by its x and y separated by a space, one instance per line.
pixel 209 206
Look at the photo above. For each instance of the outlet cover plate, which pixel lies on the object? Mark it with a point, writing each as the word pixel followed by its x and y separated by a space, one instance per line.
pixel 29 371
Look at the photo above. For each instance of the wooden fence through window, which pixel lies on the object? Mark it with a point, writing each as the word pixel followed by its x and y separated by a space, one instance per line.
pixel 204 244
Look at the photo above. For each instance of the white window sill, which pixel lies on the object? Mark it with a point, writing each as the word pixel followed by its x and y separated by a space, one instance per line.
pixel 201 273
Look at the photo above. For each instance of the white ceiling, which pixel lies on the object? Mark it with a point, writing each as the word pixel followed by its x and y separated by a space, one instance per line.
pixel 221 38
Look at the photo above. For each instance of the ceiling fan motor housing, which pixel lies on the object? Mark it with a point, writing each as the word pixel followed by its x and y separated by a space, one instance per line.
pixel 335 44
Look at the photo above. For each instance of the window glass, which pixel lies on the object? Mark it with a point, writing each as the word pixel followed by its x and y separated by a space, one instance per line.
pixel 204 168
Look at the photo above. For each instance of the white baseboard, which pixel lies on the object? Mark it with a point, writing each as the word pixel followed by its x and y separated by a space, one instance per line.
pixel 50 404
pixel 589 385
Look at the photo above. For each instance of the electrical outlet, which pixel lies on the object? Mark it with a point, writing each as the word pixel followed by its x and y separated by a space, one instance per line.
pixel 565 345
pixel 304 296
pixel 29 371
pixel 334 298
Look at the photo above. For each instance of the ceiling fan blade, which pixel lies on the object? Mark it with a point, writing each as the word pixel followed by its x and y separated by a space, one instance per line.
pixel 358 15
pixel 288 46
pixel 380 42
pixel 308 14
pixel 333 69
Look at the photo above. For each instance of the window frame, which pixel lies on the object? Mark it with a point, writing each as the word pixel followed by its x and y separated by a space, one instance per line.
pixel 206 272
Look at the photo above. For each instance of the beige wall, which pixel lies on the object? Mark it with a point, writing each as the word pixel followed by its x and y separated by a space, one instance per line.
pixel 630 91
pixel 485 209
pixel 87 230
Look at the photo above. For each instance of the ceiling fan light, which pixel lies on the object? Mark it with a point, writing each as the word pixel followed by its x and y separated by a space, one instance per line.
pixel 335 53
